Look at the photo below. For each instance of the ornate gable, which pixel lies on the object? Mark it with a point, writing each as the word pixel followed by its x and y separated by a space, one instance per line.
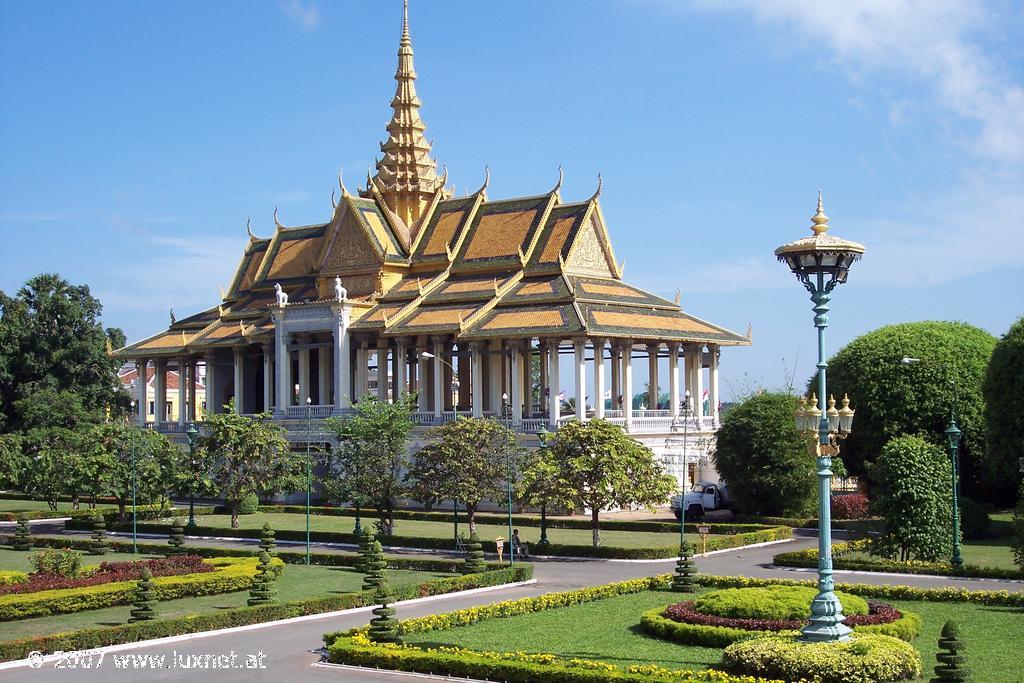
pixel 352 249
pixel 588 255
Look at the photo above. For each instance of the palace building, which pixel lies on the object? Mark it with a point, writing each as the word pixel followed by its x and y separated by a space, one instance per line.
pixel 458 300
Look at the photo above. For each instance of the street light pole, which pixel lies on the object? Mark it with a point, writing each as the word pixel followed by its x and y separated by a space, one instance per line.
pixel 820 262
pixel 135 512
pixel 507 419
pixel 192 433
pixel 309 471
pixel 543 436
pixel 682 496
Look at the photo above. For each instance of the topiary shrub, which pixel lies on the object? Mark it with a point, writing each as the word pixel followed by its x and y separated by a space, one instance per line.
pixel 145 598
pixel 22 539
pixel 474 556
pixel 99 544
pixel 375 565
pixel 176 538
pixel 263 590
pixel 952 665
pixel 249 505
pixel 849 505
pixel 365 542
pixel 863 658
pixel 975 524
pixel 267 540
pixel 383 626
pixel 783 603
pixel 685 578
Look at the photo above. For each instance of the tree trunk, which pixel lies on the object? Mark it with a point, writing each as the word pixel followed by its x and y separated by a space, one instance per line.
pixel 595 526
pixel 235 505
pixel 471 517
pixel 122 506
pixel 74 502
pixel 386 519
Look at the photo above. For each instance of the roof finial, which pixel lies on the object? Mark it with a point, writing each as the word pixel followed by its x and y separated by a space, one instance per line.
pixel 341 182
pixel 819 219
pixel 334 204
pixel 444 174
pixel 405 21
pixel 487 180
pixel 277 222
pixel 597 192
pixel 561 177
pixel 248 228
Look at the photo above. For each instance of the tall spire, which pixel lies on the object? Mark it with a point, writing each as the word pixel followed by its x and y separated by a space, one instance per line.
pixel 406 175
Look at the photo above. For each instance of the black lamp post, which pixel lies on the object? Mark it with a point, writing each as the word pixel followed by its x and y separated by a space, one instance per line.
pixel 506 415
pixel 192 434
pixel 953 433
pixel 543 436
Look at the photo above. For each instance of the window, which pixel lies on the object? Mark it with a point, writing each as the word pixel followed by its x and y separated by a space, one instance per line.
pixel 152 408
pixel 170 411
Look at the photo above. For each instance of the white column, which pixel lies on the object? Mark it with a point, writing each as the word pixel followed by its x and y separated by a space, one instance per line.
pixel 182 391
pixel 516 383
pixel 627 383
pixel 598 378
pixel 362 370
pixel 323 371
pixel 714 350
pixel 616 358
pixel 580 348
pixel 688 369
pixel 673 378
pixel 477 397
pixel 494 377
pixel 382 370
pixel 342 375
pixel 268 378
pixel 160 391
pixel 282 361
pixel 212 398
pixel 239 380
pixel 193 377
pixel 141 393
pixel 401 368
pixel 698 381
pixel 554 404
pixel 303 375
pixel 424 390
pixel 439 376
pixel 652 376
pixel 526 376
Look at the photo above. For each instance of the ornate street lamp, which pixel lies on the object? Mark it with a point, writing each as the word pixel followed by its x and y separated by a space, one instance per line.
pixel 682 496
pixel 135 510
pixel 192 433
pixel 820 262
pixel 543 437
pixel 309 469
pixel 506 414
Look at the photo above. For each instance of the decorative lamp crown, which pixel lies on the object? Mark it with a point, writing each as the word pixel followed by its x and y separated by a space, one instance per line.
pixel 813 414
pixel 953 434
pixel 846 416
pixel 820 254
pixel 800 414
pixel 833 415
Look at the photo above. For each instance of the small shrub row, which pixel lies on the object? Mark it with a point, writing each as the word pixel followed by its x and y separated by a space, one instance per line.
pixel 556 549
pixel 110 572
pixel 85 514
pixel 229 575
pixel 808 557
pixel 862 659
pixel 9 576
pixel 862 525
pixel 512 667
pixel 90 638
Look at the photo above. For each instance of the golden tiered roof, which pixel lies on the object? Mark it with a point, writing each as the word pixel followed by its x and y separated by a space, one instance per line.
pixel 416 261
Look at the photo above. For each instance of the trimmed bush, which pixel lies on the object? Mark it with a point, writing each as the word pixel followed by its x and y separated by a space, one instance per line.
pixel 263 590
pixel 249 505
pixel 849 506
pixel 267 540
pixel 366 539
pixel 64 563
pixel 789 603
pixel 145 598
pixel 975 524
pixel 22 535
pixel 383 625
pixel 375 565
pixel 474 555
pixel 862 659
pixel 10 577
pixel 176 538
pixel 99 544
pixel 952 667
pixel 685 578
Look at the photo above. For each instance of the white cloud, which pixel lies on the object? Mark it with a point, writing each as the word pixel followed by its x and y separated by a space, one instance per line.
pixel 931 40
pixel 305 15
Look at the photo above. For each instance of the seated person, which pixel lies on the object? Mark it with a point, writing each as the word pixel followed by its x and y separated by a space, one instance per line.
pixel 518 547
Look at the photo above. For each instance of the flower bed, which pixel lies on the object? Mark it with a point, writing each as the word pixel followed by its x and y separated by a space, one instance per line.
pixel 808 557
pixel 108 572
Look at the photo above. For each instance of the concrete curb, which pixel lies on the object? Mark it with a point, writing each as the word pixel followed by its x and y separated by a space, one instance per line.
pixel 859 572
pixel 39 661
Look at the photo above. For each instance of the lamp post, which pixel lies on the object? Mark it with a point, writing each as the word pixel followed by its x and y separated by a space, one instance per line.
pixel 506 417
pixel 135 512
pixel 953 434
pixel 192 433
pixel 543 436
pixel 682 495
pixel 309 469
pixel 820 262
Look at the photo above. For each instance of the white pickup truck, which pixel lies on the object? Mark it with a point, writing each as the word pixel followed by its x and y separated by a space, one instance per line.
pixel 702 497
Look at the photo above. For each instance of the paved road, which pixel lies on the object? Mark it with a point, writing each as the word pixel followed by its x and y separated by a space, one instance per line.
pixel 288 649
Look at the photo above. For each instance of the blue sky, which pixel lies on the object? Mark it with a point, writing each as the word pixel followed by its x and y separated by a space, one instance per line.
pixel 136 138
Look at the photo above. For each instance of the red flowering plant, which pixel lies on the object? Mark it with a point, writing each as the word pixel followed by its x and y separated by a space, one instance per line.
pixel 108 572
pixel 686 613
pixel 849 506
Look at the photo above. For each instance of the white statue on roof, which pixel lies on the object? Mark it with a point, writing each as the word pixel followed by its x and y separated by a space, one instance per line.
pixel 340 293
pixel 282 298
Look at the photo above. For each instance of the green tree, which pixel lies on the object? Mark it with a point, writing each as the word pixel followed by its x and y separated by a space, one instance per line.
pixel 893 399
pixel 13 463
pixel 114 447
pixel 249 455
pixel 1003 467
pixel 55 466
pixel 599 466
pixel 764 459
pixel 538 481
pixel 51 340
pixel 468 460
pixel 366 468
pixel 913 498
pixel 1018 529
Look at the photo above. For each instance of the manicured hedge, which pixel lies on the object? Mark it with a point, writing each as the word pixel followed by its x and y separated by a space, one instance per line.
pixel 8 576
pixel 859 525
pixel 808 557
pixel 864 658
pixel 85 514
pixel 129 633
pixel 554 549
pixel 230 574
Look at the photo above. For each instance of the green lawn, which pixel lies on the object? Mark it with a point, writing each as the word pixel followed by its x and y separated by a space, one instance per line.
pixel 608 630
pixel 18 560
pixel 403 527
pixel 297 582
pixel 992 552
pixel 9 505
